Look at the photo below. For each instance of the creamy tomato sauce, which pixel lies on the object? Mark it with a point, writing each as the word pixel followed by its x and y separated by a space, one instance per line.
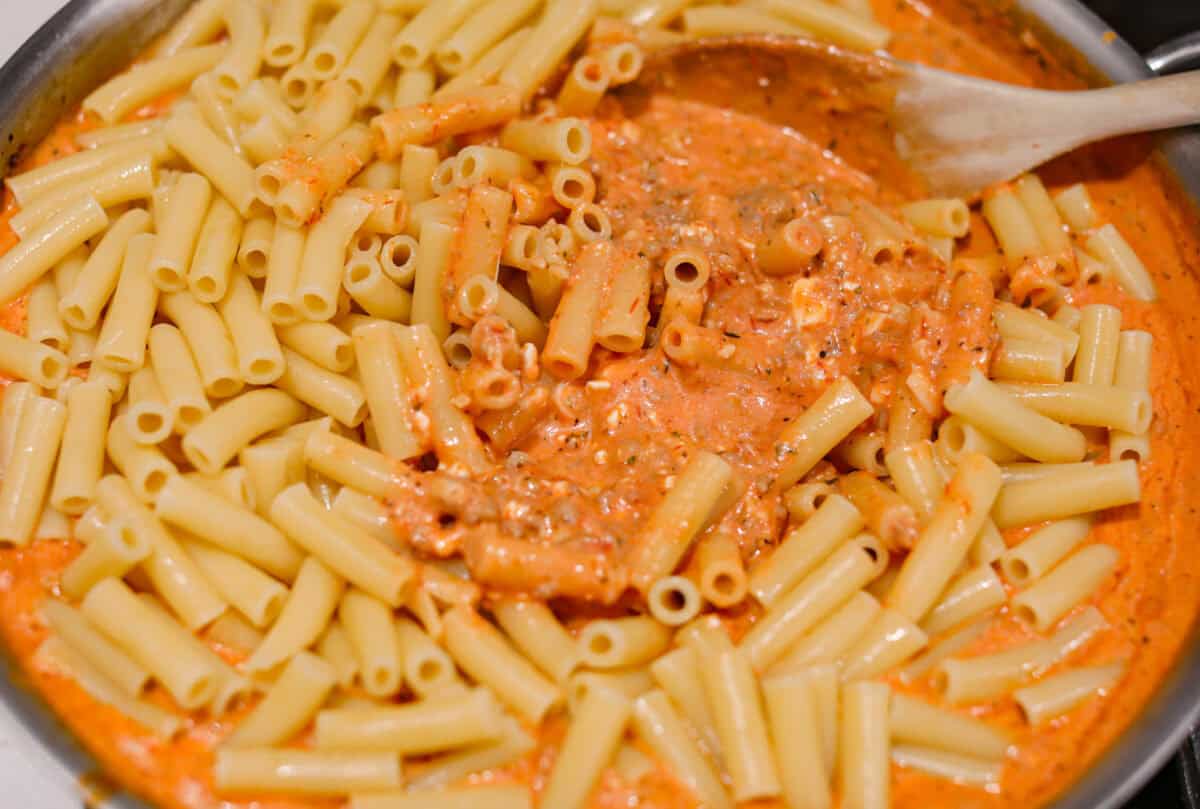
pixel 584 475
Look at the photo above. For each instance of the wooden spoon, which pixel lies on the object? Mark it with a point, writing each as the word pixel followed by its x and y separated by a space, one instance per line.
pixel 906 124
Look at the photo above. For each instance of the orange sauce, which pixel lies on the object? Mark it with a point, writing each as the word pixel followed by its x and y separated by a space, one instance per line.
pixel 734 169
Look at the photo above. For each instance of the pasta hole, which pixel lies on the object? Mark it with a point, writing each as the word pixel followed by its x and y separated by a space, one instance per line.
pixel 469 167
pixel 273 607
pixel 167 278
pixel 529 249
pixel 1018 570
pixel 256 260
pixel 314 303
pixel 429 671
pixel 592 221
pixel 959 219
pixel 200 691
pixel 224 387
pixel 954 435
pixel 228 83
pixel 884 256
pixel 149 423
pixel 686 273
pixel 628 62
pixel 268 184
pixel 724 583
pixel 359 273
pixel 262 368
pixel 498 387
pixel 189 416
pixel 578 140
pixel 451 59
pixel 206 286
pixel 282 312
pixel 819 500
pixel 674 337
pixel 367 243
pixel 356 85
pixel 128 539
pixel 1025 613
pixel 75 504
pixel 562 369
pixel 872 553
pixel 408 53
pixel 400 254
pixel 591 71
pixel 324 63
pixel 154 481
pixel 288 213
pixel 600 644
pixel 296 89
pixel 283 52
pixel 445 519
pixel 1130 454
pixel 75 317
pixel 343 355
pixel 573 189
pixel 672 600
pixel 51 368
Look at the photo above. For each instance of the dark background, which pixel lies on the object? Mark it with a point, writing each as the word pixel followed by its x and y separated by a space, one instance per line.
pixel 1147 24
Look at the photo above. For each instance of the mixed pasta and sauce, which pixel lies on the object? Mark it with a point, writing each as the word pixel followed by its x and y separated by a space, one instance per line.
pixel 406 407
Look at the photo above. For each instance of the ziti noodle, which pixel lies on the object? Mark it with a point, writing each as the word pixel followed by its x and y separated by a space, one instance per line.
pixel 397 417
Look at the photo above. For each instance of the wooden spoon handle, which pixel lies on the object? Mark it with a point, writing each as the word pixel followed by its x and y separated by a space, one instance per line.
pixel 1141 106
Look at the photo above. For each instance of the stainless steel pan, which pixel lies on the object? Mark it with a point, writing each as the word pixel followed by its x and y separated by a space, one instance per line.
pixel 90 40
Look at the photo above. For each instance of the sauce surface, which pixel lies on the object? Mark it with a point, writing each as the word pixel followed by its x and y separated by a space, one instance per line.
pixel 590 471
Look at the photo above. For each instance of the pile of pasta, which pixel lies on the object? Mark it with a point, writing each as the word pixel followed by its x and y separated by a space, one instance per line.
pixel 257 307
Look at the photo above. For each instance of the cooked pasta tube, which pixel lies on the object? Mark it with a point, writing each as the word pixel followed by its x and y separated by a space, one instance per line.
pixel 290 703
pixel 1108 245
pixel 480 651
pixel 662 729
pixel 844 572
pixel 889 641
pixel 81 460
pixel 678 519
pixel 535 630
pixel 475 108
pixel 172 573
pixel 798 755
pixel 1068 584
pixel 77 633
pixel 305 616
pixel 513 744
pixel 975 592
pixel 49 224
pixel 997 413
pixel 1075 492
pixel 913 721
pixel 359 558
pixel 812 435
pixel 111 553
pixel 804 548
pixel 370 628
pixel 26 483
pixel 81 306
pixel 177 376
pixel 204 150
pixel 324 252
pixel 612 643
pixel 1016 323
pixel 428 669
pixel 330 393
pixel 674 600
pixel 1028 361
pixel 121 344
pixel 214 442
pixel 209 341
pixel 864 765
pixel 153 640
pixel 386 387
pixel 1058 694
pixel 1043 549
pixel 255 770
pixel 949 766
pixel 428 726
pixel 946 538
pixel 256 346
pixel 834 636
pixel 250 591
pixel 592 738
pixel 943 649
pixel 59 657
pixel 734 702
pixel 558 30
pixel 454 436
pixel 678 674
pixel 146 467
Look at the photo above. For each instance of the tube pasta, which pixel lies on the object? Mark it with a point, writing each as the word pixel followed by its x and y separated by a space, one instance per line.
pixel 678 674
pixel 557 31
pixel 804 548
pixel 735 704
pixel 81 459
pixel 591 741
pixel 254 770
pixel 864 765
pixel 304 617
pixel 34 449
pixel 659 725
pixel 1062 692
pixel 534 629
pixel 370 627
pixel 78 634
pixel 479 650
pixel 915 722
pixel 1069 583
pixel 1080 490
pixel 255 343
pixel 792 717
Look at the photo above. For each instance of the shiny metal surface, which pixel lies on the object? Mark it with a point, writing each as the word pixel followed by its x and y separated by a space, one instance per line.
pixel 89 40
